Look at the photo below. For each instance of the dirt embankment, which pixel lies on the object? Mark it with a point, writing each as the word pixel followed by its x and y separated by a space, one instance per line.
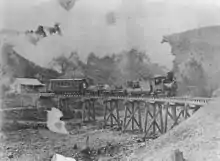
pixel 198 138
pixel 196 60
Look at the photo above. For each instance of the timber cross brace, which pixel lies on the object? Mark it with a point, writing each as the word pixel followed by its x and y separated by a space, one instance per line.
pixel 131 108
pixel 111 105
pixel 175 111
pixel 88 106
pixel 153 110
pixel 157 116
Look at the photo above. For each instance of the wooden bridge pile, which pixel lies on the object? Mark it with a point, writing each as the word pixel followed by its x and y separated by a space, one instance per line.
pixel 146 115
pixel 151 116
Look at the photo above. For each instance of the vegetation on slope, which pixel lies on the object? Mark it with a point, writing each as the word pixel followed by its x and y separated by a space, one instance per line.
pixel 113 69
pixel 196 59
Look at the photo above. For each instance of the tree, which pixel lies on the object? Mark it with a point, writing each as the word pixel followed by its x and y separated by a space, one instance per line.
pixel 100 69
pixel 134 64
pixel 66 64
pixel 60 63
pixel 191 73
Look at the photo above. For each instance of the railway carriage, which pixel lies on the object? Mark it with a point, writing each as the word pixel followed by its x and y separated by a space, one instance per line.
pixel 67 86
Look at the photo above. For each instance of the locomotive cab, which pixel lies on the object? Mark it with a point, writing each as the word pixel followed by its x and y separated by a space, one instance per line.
pixel 164 85
pixel 157 85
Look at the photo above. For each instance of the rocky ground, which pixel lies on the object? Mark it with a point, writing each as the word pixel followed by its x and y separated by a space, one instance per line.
pixel 40 144
pixel 197 137
pixel 34 142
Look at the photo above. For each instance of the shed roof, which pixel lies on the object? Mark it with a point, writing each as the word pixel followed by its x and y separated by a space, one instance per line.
pixel 29 81
pixel 67 79
pixel 159 76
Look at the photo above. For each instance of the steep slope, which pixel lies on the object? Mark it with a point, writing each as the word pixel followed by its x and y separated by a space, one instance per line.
pixel 13 65
pixel 198 138
pixel 196 60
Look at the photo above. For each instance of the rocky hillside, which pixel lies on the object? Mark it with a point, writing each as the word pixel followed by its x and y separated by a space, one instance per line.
pixel 196 60
pixel 197 138
pixel 13 65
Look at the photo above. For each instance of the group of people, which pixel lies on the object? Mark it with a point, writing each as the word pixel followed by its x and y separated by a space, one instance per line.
pixel 41 30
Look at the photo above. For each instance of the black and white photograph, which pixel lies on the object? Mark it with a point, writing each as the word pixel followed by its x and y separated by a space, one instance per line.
pixel 109 80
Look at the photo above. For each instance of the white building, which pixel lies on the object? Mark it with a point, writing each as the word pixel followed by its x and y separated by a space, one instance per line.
pixel 26 85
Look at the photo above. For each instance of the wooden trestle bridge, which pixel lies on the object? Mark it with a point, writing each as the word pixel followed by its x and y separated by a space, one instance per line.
pixel 146 115
pixel 143 114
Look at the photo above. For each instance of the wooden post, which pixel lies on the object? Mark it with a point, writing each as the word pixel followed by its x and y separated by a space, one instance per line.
pixel 125 117
pixel 109 112
pixel 173 115
pixel 173 109
pixel 161 118
pixel 105 112
pixel 146 116
pixel 132 107
pixel 186 113
pixel 58 102
pixel 84 111
pixel 154 116
pixel 93 107
pixel 139 116
pixel 66 105
pixel 156 110
pixel 117 112
pixel 166 117
pixel 131 117
pixel 89 110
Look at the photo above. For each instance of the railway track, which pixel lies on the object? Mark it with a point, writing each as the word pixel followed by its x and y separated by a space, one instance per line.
pixel 200 101
pixel 185 100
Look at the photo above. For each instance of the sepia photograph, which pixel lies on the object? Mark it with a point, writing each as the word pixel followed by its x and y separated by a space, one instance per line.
pixel 109 80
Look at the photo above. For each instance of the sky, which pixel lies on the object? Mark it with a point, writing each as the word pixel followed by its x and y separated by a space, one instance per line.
pixel 139 23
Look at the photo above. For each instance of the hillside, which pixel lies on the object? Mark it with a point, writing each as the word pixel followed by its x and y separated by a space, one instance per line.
pixel 13 65
pixel 196 60
pixel 26 67
pixel 197 137
pixel 114 69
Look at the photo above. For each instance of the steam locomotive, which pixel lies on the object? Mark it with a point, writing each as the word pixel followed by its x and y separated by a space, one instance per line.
pixel 164 85
pixel 157 86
